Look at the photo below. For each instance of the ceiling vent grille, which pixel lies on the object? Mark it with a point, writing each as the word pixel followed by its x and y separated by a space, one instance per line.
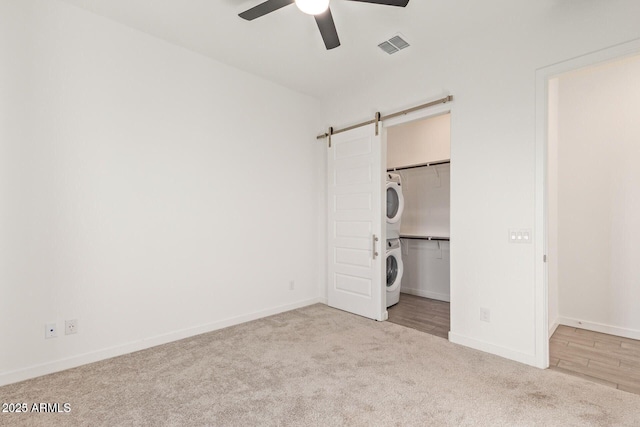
pixel 394 44
pixel 388 47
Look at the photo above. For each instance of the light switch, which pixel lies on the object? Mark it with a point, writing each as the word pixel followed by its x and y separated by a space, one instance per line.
pixel 523 235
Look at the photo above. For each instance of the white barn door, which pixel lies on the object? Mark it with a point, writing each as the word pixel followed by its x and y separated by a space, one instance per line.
pixel 355 221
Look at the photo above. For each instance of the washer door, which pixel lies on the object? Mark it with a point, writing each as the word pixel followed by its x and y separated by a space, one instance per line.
pixel 395 268
pixel 395 202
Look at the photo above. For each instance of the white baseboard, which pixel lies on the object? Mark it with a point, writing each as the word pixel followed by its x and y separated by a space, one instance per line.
pixel 528 359
pixel 553 328
pixel 633 334
pixel 426 294
pixel 107 353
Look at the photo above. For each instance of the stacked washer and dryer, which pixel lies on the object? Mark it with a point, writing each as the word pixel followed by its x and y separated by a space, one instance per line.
pixel 395 207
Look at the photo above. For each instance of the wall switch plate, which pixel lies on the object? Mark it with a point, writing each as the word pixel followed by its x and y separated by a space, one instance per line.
pixel 485 314
pixel 50 330
pixel 520 235
pixel 71 326
pixel 292 285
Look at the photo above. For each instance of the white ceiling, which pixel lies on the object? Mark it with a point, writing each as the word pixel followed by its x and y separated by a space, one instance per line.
pixel 285 46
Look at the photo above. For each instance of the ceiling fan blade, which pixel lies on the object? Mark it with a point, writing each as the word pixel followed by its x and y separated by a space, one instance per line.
pixel 328 29
pixel 264 8
pixel 399 3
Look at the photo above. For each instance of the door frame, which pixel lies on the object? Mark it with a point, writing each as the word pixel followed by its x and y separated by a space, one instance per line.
pixel 541 277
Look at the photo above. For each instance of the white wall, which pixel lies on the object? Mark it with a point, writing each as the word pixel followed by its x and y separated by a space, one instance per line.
pixel 149 192
pixel 427 212
pixel 598 216
pixel 492 77
pixel 427 200
pixel 419 142
pixel 427 269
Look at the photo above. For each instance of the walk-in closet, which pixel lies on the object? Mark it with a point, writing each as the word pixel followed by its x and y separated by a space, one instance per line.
pixel 419 152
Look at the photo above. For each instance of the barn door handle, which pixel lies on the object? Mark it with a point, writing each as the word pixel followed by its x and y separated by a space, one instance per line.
pixel 375 239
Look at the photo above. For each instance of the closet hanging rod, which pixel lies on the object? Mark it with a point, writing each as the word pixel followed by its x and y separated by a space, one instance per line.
pixel 421 165
pixel 390 116
pixel 443 239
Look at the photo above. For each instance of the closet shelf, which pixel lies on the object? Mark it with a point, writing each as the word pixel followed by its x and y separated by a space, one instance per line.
pixel 407 236
pixel 422 165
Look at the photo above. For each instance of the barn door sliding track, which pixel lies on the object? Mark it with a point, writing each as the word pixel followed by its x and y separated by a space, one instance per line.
pixel 378 118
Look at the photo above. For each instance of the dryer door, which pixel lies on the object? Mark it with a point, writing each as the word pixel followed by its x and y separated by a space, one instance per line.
pixel 395 202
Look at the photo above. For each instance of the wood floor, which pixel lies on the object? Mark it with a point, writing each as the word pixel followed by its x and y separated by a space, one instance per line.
pixel 606 359
pixel 424 314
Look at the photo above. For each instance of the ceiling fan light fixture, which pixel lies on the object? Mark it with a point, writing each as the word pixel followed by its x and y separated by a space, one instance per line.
pixel 312 7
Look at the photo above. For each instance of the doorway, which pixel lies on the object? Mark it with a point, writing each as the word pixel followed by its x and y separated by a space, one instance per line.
pixel 418 159
pixel 594 222
pixel 357 233
pixel 593 198
pixel 543 304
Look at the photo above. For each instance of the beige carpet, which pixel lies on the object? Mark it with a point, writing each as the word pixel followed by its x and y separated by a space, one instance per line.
pixel 318 366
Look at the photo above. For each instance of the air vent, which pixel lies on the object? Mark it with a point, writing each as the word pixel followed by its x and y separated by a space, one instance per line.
pixel 398 42
pixel 394 44
pixel 388 47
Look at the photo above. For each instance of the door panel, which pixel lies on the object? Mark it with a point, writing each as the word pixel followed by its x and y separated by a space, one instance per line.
pixel 355 216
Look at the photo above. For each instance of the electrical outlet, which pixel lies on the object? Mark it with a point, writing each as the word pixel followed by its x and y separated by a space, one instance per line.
pixel 71 326
pixel 292 285
pixel 485 314
pixel 50 330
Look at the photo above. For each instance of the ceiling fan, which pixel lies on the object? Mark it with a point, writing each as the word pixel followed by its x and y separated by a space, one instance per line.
pixel 319 9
